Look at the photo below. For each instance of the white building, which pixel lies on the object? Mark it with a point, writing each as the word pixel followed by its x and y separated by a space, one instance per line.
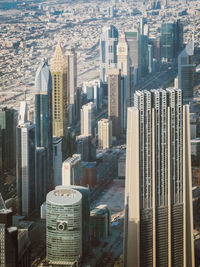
pixel 88 119
pixel 105 133
pixel 72 170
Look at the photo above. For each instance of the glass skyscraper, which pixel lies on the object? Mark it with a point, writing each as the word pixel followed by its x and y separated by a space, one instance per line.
pixel 108 50
pixel 158 195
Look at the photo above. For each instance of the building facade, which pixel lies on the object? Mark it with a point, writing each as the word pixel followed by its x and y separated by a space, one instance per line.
pixel 158 194
pixel 105 133
pixel 64 226
pixel 108 50
pixel 114 101
pixel 88 119
pixel 72 170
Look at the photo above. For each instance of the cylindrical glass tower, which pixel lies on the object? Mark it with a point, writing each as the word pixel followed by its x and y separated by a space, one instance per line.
pixel 64 226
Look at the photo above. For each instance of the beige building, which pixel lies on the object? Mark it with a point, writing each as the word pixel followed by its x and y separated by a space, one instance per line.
pixel 105 133
pixel 88 119
pixel 72 170
pixel 158 194
pixel 58 68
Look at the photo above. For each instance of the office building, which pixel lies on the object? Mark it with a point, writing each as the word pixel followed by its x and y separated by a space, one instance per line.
pixel 89 171
pixel 99 223
pixel 71 82
pixel 85 191
pixel 43 116
pixel 8 237
pixel 26 162
pixel 86 147
pixel 114 101
pixel 94 91
pixel 171 40
pixel 133 41
pixel 57 161
pixel 123 65
pixel 186 70
pixel 64 226
pixel 105 133
pixel 72 170
pixel 59 95
pixel 158 194
pixel 8 123
pixel 88 119
pixel 108 50
pixel 41 176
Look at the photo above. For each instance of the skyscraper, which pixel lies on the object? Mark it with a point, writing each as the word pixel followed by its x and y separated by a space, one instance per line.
pixel 158 195
pixel 133 40
pixel 123 65
pixel 114 101
pixel 108 50
pixel 57 160
pixel 71 82
pixel 104 133
pixel 186 71
pixel 72 170
pixel 88 119
pixel 43 115
pixel 8 123
pixel 26 162
pixel 171 39
pixel 59 95
pixel 64 226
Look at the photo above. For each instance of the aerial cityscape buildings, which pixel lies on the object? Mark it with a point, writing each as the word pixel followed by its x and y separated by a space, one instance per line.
pixel 100 133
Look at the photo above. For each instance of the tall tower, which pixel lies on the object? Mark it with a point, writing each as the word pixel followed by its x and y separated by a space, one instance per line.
pixel 26 162
pixel 108 50
pixel 8 123
pixel 158 195
pixel 87 119
pixel 72 82
pixel 114 101
pixel 186 71
pixel 43 113
pixel 105 133
pixel 59 95
pixel 123 65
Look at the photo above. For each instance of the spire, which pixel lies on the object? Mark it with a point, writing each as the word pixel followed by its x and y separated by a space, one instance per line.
pixel 59 61
pixel 122 38
pixel 42 77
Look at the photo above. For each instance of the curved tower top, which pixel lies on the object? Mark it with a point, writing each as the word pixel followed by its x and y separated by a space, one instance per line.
pixel 43 77
pixel 64 197
pixel 59 60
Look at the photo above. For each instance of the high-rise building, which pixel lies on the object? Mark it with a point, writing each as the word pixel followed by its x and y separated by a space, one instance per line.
pixel 71 82
pixel 85 191
pixel 123 65
pixel 94 91
pixel 64 226
pixel 72 170
pixel 158 195
pixel 8 238
pixel 171 39
pixel 88 119
pixel 105 133
pixel 8 123
pixel 186 71
pixel 114 101
pixel 59 95
pixel 57 161
pixel 43 117
pixel 133 40
pixel 26 162
pixel 86 148
pixel 108 50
